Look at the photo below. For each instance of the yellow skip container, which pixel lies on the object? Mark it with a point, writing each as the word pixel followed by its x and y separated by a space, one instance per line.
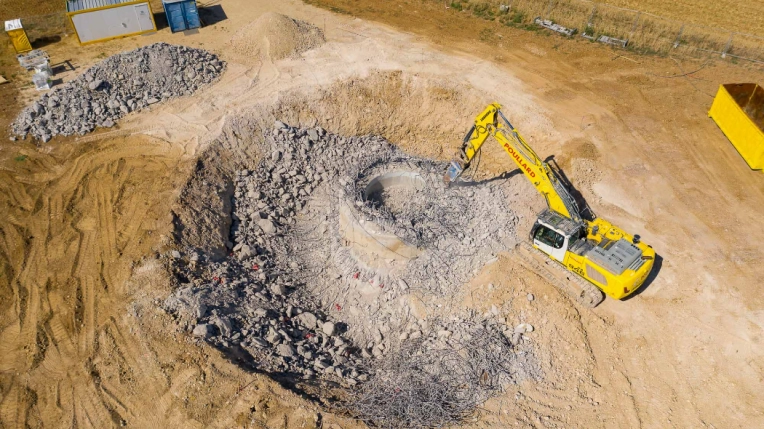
pixel 18 36
pixel 738 110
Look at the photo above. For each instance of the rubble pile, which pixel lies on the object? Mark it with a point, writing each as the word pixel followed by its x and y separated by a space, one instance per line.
pixel 123 83
pixel 293 296
pixel 457 231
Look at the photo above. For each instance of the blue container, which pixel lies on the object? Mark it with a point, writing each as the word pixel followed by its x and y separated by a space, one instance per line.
pixel 181 14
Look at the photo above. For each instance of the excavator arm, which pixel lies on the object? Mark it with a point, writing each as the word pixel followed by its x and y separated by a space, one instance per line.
pixel 491 122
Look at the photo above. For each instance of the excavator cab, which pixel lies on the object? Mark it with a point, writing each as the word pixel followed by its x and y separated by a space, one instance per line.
pixel 549 241
pixel 553 233
pixel 549 237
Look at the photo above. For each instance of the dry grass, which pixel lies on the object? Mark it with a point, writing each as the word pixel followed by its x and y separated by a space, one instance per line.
pixel 746 16
pixel 22 9
pixel 645 31
pixel 736 15
pixel 573 14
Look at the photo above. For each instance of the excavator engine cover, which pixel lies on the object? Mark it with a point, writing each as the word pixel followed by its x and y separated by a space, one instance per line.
pixel 615 256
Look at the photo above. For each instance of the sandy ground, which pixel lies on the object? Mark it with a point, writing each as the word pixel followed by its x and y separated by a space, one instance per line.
pixel 81 341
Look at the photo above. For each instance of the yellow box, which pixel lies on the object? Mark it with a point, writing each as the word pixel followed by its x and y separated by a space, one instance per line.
pixel 18 36
pixel 738 110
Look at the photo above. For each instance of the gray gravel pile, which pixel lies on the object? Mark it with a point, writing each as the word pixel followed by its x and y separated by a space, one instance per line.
pixel 250 308
pixel 292 295
pixel 123 83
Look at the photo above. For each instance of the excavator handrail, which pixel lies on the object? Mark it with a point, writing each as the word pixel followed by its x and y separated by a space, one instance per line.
pixel 523 146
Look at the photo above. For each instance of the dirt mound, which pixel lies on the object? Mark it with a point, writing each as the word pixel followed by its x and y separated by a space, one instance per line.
pixel 276 36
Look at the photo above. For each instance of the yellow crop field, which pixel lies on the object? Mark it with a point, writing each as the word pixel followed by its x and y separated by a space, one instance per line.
pixel 690 27
pixel 745 16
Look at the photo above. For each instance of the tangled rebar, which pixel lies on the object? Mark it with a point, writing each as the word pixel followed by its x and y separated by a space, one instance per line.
pixel 418 386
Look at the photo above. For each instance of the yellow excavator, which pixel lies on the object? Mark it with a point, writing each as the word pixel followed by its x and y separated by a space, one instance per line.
pixel 583 257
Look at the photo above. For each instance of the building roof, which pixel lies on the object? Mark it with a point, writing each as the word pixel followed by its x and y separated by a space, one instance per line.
pixel 78 5
pixel 13 24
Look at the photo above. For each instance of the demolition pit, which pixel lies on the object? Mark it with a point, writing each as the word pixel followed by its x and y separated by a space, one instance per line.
pixel 342 251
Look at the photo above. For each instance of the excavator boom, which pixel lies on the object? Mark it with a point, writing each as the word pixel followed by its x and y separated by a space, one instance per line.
pixel 491 122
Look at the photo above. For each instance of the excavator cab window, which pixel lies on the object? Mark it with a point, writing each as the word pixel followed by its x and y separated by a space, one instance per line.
pixel 549 237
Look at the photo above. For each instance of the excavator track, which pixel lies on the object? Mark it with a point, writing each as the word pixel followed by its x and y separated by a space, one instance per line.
pixel 584 292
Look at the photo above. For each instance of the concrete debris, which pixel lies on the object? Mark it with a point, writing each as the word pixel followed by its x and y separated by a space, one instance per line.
pixel 123 83
pixel 224 325
pixel 286 350
pixel 267 226
pixel 328 328
pixel 613 41
pixel 555 27
pixel 204 330
pixel 523 328
pixel 422 384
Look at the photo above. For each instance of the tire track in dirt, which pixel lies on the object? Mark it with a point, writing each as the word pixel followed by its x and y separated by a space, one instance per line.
pixel 72 207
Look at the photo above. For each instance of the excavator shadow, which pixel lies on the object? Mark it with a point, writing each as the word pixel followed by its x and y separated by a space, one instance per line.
pixel 503 176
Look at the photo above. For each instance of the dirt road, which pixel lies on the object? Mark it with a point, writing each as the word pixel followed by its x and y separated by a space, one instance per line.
pixel 83 344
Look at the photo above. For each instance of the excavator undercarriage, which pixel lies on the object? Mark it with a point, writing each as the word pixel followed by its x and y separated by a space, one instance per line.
pixel 538 262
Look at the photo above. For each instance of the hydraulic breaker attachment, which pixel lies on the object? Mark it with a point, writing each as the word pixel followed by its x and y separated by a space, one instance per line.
pixel 453 172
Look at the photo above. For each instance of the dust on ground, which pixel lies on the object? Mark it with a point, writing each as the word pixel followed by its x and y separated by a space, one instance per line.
pixel 81 343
